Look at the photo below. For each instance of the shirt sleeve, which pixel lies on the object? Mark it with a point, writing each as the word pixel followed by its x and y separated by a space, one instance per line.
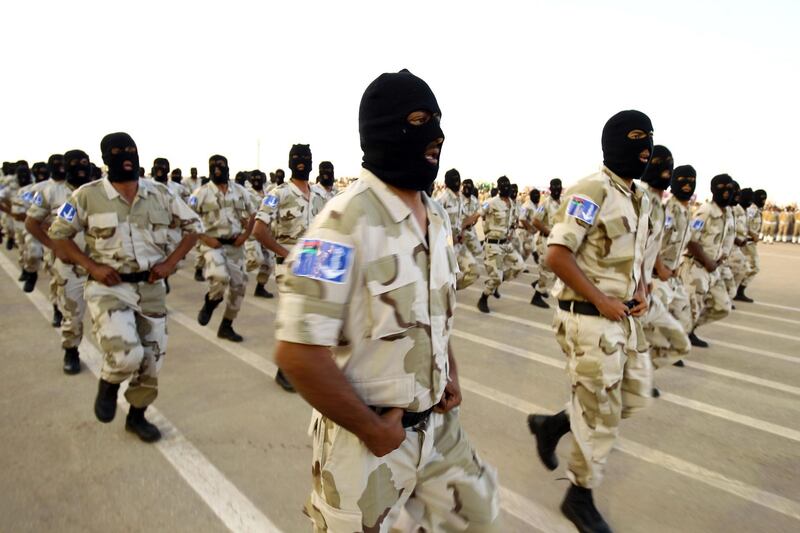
pixel 578 212
pixel 698 222
pixel 269 208
pixel 188 220
pixel 40 207
pixel 70 219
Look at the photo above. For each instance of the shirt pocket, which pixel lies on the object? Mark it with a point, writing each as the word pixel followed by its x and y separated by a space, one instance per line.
pixel 392 293
pixel 102 227
pixel 159 224
pixel 621 241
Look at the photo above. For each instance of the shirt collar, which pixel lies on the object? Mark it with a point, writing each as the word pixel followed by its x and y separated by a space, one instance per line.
pixel 397 209
pixel 620 183
pixel 112 193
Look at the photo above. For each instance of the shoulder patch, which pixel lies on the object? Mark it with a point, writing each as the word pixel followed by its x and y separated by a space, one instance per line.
pixel 540 209
pixel 67 212
pixel 27 196
pixel 270 201
pixel 38 199
pixel 697 224
pixel 668 221
pixel 193 201
pixel 582 209
pixel 323 260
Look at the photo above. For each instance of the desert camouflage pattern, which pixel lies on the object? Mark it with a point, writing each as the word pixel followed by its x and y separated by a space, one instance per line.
pixel 258 257
pixel 676 233
pixel 453 204
pixel 470 235
pixel 8 190
pixel 737 260
pixel 324 193
pixel 656 232
pixel 287 211
pixel 31 250
pixel 545 212
pixel 754 223
pixel 665 333
pixel 525 239
pixel 502 261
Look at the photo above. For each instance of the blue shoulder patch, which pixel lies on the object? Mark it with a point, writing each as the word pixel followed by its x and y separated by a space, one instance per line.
pixel 270 201
pixel 27 196
pixel 698 223
pixel 668 222
pixel 193 201
pixel 485 206
pixel 67 212
pixel 540 209
pixel 582 209
pixel 323 260
pixel 38 199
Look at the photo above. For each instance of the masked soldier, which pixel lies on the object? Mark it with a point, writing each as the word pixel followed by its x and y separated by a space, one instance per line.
pixel 472 213
pixel 754 223
pixel 738 261
pixel 526 231
pixel 452 202
pixel 258 257
pixel 729 244
pixel 176 177
pixel 19 175
pixel 700 269
pixel 372 287
pixel 326 181
pixel 125 220
pixel 543 221
pixel 285 215
pixel 31 252
pixel 227 212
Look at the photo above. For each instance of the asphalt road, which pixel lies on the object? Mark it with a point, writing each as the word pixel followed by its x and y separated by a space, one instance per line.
pixel 719 452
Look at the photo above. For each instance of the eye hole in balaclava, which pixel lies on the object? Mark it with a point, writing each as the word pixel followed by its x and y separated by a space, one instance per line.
pixel 627 142
pixel 535 195
pixel 78 168
pixel 218 171
pixel 683 183
pixel 556 189
pixel 326 174
pixel 452 179
pixel 659 172
pixel 503 187
pixel 300 161
pixel 56 165
pixel 160 170
pixel 721 189
pixel 121 156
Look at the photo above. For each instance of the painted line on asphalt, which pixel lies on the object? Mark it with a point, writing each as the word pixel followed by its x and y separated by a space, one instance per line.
pixel 232 507
pixel 768 317
pixel 777 306
pixel 760 331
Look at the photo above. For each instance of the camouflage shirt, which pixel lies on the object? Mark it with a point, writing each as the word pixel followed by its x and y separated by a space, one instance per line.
pixel 754 221
pixel 453 205
pixel 369 283
pixel 730 232
pixel 288 212
pixel 24 197
pixel 326 194
pixel 498 218
pixel 656 231
pixel 223 215
pixel 471 205
pixel 740 221
pixel 126 237
pixel 605 224
pixel 547 210
pixel 708 229
pixel 526 213
pixel 676 233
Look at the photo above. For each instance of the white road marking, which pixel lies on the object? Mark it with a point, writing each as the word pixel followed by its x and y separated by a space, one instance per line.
pixel 760 331
pixel 777 306
pixel 750 351
pixel 232 507
pixel 768 317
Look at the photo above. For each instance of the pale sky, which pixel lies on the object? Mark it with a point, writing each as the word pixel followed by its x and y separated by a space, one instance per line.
pixel 524 87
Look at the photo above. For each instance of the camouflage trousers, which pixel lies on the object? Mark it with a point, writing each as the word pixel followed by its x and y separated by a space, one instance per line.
pixel 726 275
pixel 707 293
pixel 70 281
pixel 7 222
pixel 435 474
pixel 467 266
pixel 49 267
pixel 473 243
pixel 129 321
pixel 546 276
pixel 784 230
pixel 739 266
pixel 31 253
pixel 680 306
pixel 502 263
pixel 753 262
pixel 667 337
pixel 611 378
pixel 224 269
pixel 199 259
pixel 526 245
pixel 259 258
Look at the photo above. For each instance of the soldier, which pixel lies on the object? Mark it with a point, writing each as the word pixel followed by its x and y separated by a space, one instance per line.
pixel 543 221
pixel 275 179
pixel 784 224
pixel 700 268
pixel 177 185
pixel 30 249
pixel 8 190
pixel 737 260
pixel 769 225
pixel 257 256
pixel 501 260
pixel 125 220
pixel 192 182
pixel 325 181
pixel 472 213
pixel 452 202
pixel 285 215
pixel 796 232
pixel 750 249
pixel 526 231
pixel 373 285
pixel 729 244
pixel 227 212
pixel 596 248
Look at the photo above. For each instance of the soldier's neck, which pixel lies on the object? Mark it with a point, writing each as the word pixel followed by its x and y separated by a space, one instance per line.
pixel 126 189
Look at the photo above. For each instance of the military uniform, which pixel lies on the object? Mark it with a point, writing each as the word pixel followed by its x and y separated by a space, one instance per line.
pixel 453 204
pixel 605 225
pixel 672 293
pixel 737 260
pixel 725 271
pixel 470 235
pixel 8 190
pixel 784 225
pixel 31 251
pixel 325 193
pixel 129 319
pixel 796 232
pixel 750 249
pixel 257 256
pixel 502 261
pixel 524 237
pixel 545 213
pixel 707 291
pixel 366 282
pixel 224 216
pixel 769 225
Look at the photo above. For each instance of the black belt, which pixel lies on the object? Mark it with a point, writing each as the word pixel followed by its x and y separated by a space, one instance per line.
pixel 280 260
pixel 581 308
pixel 410 419
pixel 135 277
pixel 227 240
pixel 496 241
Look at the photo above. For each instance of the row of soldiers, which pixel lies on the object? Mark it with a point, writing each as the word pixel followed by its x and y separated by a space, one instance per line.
pixel 781 225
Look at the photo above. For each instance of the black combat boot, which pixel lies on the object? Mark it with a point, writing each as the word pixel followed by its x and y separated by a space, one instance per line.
pixel 225 331
pixel 72 361
pixel 578 507
pixel 496 293
pixel 679 363
pixel 548 430
pixel 137 423
pixel 23 275
pixel 9 243
pixel 261 292
pixel 538 300
pixel 281 380
pixel 30 281
pixel 697 341
pixel 198 274
pixel 656 393
pixel 207 310
pixel 105 405
pixel 483 303
pixel 57 317
pixel 741 296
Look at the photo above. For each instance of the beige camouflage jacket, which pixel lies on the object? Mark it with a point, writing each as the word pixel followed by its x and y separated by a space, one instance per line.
pixel 740 222
pixel 605 224
pixel 223 215
pixel 453 205
pixel 526 213
pixel 676 233
pixel 730 232
pixel 288 212
pixel 656 232
pixel 126 237
pixel 547 210
pixel 498 218
pixel 754 221
pixel 708 229
pixel 367 282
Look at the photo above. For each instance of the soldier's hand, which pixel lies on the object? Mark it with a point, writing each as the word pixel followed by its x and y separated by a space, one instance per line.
pixel 663 272
pixel 612 308
pixel 240 240
pixel 160 271
pixel 710 266
pixel 214 243
pixel 105 275
pixel 641 305
pixel 388 435
pixel 450 399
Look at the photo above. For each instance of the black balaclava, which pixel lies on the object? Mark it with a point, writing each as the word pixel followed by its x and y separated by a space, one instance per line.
pixel 176 175
pixel 78 169
pixel 735 194
pixel 96 173
pixel 160 170
pixel 300 155
pixel 280 175
pixel 41 171
pixel 452 179
pixel 257 180
pixel 326 174
pixel 493 192
pixel 141 172
pixel 555 189
pixel 401 154
pixel 659 171
pixel 7 168
pixel 240 178
pixel 721 189
pixel 23 172
pixel 620 153
pixel 503 187
pixel 121 156
pixel 683 176
pixel 746 197
pixel 193 173
pixel 467 187
pixel 535 196
pixel 56 165
pixel 760 198
pixel 514 191
pixel 218 170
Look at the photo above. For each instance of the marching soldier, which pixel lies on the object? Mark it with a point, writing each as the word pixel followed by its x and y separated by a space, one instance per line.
pixel 750 249
pixel 543 221
pixel 452 201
